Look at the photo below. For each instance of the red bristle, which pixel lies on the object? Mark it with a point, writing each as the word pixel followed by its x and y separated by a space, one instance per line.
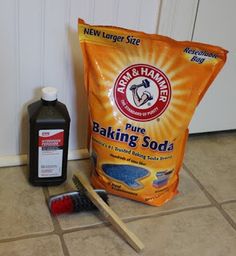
pixel 62 205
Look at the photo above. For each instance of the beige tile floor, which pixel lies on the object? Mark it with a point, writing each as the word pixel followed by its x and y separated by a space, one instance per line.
pixel 200 220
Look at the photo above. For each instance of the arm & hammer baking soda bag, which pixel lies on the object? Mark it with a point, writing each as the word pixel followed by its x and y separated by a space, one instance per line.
pixel 142 91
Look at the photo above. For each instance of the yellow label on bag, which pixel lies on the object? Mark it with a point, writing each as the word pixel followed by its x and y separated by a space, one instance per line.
pixel 142 92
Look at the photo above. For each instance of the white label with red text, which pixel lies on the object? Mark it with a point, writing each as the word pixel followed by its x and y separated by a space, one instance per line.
pixel 50 151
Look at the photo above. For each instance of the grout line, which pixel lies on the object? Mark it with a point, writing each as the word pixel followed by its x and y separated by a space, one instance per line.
pixel 135 218
pixel 91 227
pixel 28 236
pixel 228 201
pixel 166 213
pixel 57 228
pixel 211 198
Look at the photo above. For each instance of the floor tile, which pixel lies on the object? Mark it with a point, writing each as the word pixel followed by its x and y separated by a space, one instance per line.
pixel 230 208
pixel 40 246
pixel 23 209
pixel 211 158
pixel 199 232
pixel 189 196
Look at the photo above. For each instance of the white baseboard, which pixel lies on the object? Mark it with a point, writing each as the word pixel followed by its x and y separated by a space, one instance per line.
pixel 23 159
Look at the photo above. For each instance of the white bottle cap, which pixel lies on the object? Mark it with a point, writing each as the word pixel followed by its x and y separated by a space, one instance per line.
pixel 49 93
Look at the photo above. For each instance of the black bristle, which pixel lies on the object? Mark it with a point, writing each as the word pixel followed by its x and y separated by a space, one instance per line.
pixel 78 184
pixel 101 192
pixel 82 203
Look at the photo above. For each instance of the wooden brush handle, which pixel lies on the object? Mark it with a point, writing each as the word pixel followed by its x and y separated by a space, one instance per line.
pixel 111 216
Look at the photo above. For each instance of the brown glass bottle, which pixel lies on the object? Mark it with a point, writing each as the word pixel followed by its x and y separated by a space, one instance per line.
pixel 49 124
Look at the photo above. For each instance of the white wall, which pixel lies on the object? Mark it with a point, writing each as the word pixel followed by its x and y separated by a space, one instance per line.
pixel 39 46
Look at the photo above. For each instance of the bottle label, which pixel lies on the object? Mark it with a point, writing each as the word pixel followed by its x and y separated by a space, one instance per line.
pixel 50 149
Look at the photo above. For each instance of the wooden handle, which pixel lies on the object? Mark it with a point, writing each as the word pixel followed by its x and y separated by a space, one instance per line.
pixel 111 216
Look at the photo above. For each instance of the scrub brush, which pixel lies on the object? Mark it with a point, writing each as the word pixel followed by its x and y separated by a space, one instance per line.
pixel 82 183
pixel 74 201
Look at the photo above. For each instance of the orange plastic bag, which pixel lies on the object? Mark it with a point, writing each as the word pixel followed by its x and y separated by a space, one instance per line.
pixel 142 91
